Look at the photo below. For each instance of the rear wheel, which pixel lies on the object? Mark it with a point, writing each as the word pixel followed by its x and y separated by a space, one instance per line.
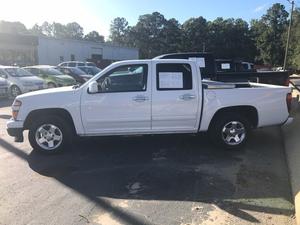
pixel 15 91
pixel 230 130
pixel 50 135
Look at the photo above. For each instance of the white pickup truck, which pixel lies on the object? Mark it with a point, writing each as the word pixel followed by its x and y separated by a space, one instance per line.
pixel 158 96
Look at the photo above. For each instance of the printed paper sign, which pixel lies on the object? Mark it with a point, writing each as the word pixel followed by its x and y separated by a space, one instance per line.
pixel 170 80
pixel 199 61
pixel 225 66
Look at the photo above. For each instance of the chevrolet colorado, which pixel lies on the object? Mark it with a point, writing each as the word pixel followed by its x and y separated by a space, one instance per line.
pixel 155 96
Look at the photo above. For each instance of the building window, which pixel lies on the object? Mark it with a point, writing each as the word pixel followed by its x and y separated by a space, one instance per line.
pixel 72 57
pixel 61 58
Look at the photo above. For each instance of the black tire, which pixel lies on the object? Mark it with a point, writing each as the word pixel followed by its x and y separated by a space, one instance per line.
pixel 63 126
pixel 51 85
pixel 15 91
pixel 223 134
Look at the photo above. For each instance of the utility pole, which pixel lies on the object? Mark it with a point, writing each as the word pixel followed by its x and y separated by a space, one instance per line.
pixel 288 37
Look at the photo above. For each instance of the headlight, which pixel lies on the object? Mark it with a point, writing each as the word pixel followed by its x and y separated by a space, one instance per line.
pixel 15 108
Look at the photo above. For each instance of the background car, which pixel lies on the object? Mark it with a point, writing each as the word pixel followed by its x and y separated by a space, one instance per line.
pixel 20 81
pixel 79 75
pixel 3 86
pixel 77 63
pixel 90 70
pixel 52 76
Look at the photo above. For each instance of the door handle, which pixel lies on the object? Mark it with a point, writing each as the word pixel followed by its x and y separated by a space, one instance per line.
pixel 140 98
pixel 187 97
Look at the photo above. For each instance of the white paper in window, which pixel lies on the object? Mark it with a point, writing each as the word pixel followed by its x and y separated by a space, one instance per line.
pixel 225 66
pixel 170 80
pixel 199 61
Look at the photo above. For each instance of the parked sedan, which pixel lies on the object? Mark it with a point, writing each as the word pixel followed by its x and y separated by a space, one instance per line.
pixel 52 77
pixel 90 70
pixel 20 81
pixel 79 75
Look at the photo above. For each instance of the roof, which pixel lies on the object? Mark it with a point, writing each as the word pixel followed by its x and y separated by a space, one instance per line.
pixel 39 66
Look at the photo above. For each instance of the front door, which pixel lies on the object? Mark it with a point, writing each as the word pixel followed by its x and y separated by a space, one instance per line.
pixel 123 103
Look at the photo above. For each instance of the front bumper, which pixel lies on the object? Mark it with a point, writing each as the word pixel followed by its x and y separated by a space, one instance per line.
pixel 288 121
pixel 15 129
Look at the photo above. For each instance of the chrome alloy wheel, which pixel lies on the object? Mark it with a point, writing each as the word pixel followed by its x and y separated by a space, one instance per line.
pixel 233 133
pixel 48 136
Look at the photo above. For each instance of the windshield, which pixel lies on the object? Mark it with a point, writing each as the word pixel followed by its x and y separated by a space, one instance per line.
pixel 90 70
pixel 51 71
pixel 77 71
pixel 18 72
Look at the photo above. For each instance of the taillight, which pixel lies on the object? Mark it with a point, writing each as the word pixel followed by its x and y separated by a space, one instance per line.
pixel 289 101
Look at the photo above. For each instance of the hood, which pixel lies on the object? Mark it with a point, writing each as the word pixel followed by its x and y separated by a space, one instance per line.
pixel 64 77
pixel 33 79
pixel 48 92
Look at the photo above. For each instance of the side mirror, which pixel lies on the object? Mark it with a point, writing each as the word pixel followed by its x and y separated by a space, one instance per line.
pixel 4 76
pixel 93 87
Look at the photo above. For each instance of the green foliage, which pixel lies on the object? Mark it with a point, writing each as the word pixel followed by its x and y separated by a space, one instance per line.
pixel 94 36
pixel 269 34
pixel 294 50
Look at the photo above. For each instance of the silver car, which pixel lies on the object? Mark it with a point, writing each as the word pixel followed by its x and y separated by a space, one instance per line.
pixel 20 81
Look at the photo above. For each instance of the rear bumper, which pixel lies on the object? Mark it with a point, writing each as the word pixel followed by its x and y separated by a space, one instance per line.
pixel 288 121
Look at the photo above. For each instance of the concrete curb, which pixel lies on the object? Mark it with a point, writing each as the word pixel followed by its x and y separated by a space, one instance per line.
pixel 291 135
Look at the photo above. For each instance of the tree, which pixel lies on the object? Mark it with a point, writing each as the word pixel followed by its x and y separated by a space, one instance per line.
pixel 73 31
pixel 147 35
pixel 119 31
pixel 12 27
pixel 294 51
pixel 94 36
pixel 172 36
pixel 36 30
pixel 195 31
pixel 230 38
pixel 268 34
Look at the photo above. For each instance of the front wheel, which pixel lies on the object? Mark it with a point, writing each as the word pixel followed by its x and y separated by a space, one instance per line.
pixel 230 130
pixel 50 135
pixel 15 91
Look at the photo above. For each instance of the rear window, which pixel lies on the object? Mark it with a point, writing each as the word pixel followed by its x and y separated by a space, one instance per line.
pixel 173 76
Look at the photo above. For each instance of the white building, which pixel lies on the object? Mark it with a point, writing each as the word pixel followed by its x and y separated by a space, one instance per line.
pixel 31 50
pixel 53 51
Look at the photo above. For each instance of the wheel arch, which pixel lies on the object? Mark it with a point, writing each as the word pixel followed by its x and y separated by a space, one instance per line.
pixel 63 113
pixel 249 112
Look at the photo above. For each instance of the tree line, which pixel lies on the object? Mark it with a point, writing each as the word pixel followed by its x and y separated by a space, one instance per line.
pixel 56 30
pixel 262 41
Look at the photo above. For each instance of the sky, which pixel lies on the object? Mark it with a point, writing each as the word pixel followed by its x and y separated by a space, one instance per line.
pixel 98 14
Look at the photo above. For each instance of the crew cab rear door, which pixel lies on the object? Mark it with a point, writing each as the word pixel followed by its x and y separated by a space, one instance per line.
pixel 176 96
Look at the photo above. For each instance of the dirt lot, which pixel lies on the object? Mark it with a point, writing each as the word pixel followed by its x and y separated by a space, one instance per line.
pixel 179 179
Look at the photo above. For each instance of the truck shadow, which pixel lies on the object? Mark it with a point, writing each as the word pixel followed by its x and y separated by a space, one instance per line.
pixel 172 168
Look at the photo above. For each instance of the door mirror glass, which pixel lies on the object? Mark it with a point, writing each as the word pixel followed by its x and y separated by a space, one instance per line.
pixel 93 87
pixel 3 76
